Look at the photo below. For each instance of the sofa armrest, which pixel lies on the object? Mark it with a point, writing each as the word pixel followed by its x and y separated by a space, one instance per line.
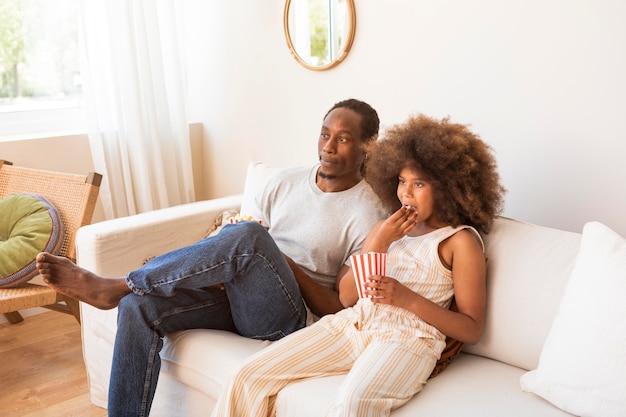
pixel 113 248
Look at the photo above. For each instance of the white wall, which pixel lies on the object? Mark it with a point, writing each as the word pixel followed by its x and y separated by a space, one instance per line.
pixel 542 81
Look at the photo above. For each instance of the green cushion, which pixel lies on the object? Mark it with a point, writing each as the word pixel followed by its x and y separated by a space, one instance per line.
pixel 29 224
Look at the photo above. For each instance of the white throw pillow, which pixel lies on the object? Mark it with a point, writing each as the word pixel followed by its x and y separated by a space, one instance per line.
pixel 256 177
pixel 582 368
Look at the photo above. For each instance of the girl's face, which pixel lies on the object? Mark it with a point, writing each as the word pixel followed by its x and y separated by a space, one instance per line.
pixel 417 193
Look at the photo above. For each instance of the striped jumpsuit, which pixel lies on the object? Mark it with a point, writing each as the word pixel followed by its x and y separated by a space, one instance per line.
pixel 386 351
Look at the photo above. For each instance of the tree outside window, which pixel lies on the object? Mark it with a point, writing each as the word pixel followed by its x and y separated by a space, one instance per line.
pixel 39 55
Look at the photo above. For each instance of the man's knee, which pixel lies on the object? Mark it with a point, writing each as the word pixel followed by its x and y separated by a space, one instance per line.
pixel 246 230
pixel 132 304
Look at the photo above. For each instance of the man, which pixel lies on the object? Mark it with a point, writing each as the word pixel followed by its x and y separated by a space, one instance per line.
pixel 261 285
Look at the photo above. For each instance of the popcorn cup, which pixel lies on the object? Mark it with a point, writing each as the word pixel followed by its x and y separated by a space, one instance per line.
pixel 364 266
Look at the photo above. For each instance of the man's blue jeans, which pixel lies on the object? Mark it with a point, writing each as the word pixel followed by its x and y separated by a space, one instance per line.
pixel 261 299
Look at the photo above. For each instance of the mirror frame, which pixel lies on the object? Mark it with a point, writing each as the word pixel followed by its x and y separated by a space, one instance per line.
pixel 344 49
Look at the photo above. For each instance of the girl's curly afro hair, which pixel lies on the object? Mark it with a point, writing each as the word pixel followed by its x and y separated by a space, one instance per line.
pixel 458 164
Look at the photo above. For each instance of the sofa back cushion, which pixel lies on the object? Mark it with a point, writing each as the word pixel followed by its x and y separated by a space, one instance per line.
pixel 257 175
pixel 528 269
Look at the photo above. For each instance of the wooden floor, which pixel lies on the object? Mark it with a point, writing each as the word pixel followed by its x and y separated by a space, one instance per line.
pixel 42 373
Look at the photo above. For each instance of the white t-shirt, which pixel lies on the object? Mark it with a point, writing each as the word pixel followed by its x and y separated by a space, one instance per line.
pixel 318 230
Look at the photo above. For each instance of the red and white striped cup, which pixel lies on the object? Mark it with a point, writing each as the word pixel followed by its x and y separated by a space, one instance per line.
pixel 364 266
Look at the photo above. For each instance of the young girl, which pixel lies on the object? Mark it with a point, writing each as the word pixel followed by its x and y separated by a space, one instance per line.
pixel 440 182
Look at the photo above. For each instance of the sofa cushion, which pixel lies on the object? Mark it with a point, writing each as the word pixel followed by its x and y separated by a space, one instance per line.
pixel 582 368
pixel 29 224
pixel 471 387
pixel 205 359
pixel 256 177
pixel 527 272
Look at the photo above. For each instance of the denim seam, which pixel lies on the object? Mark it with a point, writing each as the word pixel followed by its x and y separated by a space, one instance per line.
pixel 149 376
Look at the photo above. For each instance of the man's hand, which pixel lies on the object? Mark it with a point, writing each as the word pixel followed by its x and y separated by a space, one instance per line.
pixel 321 300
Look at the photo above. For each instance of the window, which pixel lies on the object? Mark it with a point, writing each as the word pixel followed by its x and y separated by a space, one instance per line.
pixel 40 84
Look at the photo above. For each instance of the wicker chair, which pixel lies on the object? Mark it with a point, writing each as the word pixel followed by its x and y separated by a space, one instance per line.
pixel 74 196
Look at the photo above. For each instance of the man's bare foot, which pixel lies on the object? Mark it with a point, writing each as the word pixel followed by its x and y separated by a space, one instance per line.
pixel 69 279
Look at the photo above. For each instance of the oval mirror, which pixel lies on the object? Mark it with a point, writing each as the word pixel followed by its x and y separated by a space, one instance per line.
pixel 319 32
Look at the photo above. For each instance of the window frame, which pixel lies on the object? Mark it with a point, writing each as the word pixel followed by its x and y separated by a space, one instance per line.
pixel 29 124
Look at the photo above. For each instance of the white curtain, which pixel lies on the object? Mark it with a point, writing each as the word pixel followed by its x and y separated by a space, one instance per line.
pixel 134 88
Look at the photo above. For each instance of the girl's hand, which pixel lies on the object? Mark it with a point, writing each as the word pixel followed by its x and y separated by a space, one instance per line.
pixel 395 227
pixel 387 290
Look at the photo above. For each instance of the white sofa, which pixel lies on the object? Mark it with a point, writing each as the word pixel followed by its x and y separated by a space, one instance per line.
pixel 528 270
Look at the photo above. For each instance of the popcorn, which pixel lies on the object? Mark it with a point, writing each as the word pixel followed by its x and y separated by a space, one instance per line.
pixel 244 218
